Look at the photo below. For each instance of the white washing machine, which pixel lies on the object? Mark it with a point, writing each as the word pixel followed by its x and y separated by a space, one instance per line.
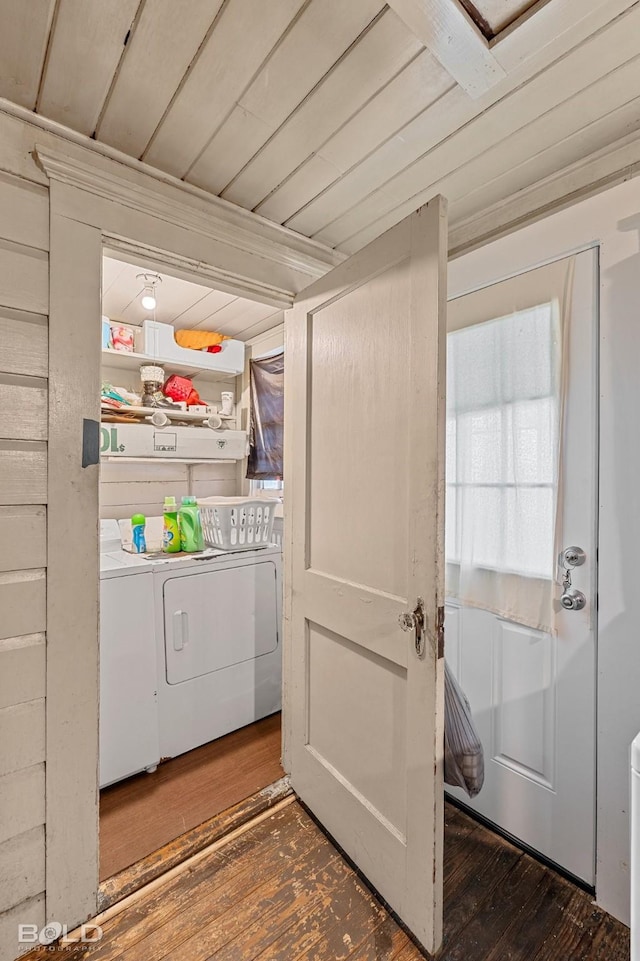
pixel 635 849
pixel 218 641
pixel 128 678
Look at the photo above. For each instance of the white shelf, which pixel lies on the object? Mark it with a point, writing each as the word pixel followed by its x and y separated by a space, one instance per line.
pixel 132 361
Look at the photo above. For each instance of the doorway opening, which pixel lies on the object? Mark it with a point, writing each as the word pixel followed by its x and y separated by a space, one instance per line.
pixel 190 641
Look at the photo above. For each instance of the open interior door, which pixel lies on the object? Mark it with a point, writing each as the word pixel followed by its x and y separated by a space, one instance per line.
pixel 364 483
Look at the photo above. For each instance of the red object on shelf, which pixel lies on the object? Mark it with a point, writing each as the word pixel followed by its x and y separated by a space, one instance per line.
pixel 213 349
pixel 181 389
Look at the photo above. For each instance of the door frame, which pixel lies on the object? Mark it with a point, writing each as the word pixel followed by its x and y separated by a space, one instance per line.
pixel 95 202
pixel 501 260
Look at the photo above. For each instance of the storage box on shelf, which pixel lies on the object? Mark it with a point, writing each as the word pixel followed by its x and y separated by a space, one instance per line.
pixel 156 344
pixel 190 444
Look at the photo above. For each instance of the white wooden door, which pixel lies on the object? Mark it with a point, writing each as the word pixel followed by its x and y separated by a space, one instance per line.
pixel 364 495
pixel 533 693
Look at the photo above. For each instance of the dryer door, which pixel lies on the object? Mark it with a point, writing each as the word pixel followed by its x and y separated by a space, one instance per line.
pixel 218 618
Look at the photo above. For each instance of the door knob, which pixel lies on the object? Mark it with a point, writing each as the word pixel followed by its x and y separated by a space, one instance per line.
pixel 415 621
pixel 573 600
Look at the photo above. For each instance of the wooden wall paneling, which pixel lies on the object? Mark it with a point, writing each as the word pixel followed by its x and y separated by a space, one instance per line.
pixel 234 318
pixel 24 211
pixel 24 343
pixel 447 30
pixel 414 89
pixel 316 41
pixel 22 860
pixel 382 52
pixel 22 671
pixel 21 801
pixel 23 40
pixel 22 602
pixel 23 472
pixel 30 911
pixel 201 312
pixel 25 528
pixel 158 54
pixel 83 56
pixel 72 611
pixel 24 277
pixel 226 65
pixel 582 66
pixel 22 736
pixel 23 407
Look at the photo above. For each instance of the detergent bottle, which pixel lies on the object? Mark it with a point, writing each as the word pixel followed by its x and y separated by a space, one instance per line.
pixel 171 530
pixel 138 522
pixel 191 536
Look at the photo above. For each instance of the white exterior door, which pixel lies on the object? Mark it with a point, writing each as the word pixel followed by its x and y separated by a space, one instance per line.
pixel 533 692
pixel 364 476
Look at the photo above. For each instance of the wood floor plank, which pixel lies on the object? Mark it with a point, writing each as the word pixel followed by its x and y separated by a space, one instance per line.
pixel 142 814
pixel 384 944
pixel 200 938
pixel 267 936
pixel 496 913
pixel 488 861
pixel 585 933
pixel 279 891
pixel 359 915
pixel 220 880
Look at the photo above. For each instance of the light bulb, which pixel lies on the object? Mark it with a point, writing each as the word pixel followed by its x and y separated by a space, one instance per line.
pixel 148 301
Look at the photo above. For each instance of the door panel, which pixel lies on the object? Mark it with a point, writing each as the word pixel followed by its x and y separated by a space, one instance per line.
pixel 364 476
pixel 533 693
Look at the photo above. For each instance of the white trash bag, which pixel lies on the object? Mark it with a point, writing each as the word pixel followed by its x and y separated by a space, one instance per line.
pixel 463 754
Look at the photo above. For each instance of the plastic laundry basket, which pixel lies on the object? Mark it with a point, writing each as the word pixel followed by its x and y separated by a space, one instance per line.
pixel 236 523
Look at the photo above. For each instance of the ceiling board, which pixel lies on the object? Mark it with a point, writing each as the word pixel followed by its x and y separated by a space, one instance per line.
pixel 244 36
pixel 383 51
pixel 318 39
pixel 141 92
pixel 494 16
pixel 23 41
pixel 90 37
pixel 181 303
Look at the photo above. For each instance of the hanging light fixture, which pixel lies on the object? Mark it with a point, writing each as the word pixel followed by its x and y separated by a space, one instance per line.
pixel 149 282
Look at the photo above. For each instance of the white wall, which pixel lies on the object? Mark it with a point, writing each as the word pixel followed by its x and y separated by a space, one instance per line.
pixel 611 219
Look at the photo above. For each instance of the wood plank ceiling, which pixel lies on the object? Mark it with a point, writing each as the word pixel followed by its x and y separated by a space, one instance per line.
pixel 335 118
pixel 181 303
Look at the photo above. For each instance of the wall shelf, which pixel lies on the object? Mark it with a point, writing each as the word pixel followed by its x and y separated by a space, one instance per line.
pixel 160 347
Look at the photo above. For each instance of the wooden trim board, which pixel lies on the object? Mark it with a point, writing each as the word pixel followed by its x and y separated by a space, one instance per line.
pixel 155 865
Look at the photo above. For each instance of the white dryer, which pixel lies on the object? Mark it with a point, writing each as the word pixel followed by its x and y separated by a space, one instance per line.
pixel 218 636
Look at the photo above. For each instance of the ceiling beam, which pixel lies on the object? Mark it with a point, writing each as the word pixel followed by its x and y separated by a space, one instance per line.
pixel 447 30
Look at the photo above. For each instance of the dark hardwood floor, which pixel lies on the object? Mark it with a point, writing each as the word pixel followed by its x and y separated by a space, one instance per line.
pixel 278 891
pixel 146 812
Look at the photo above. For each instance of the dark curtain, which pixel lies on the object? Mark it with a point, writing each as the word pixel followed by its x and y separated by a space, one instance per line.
pixel 267 416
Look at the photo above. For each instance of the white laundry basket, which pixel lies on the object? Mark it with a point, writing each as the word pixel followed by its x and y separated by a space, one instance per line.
pixel 236 523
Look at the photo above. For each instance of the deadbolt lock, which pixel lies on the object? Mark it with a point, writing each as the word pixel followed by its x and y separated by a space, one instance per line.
pixel 573 557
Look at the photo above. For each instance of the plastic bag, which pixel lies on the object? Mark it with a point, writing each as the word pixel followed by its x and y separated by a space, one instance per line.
pixel 463 754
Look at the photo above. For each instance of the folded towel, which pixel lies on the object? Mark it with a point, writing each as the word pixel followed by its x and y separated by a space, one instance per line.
pixel 199 339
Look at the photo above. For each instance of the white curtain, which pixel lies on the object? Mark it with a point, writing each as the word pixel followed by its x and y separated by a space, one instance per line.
pixel 505 388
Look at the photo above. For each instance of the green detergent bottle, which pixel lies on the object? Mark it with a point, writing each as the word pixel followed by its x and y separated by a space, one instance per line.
pixel 191 536
pixel 171 531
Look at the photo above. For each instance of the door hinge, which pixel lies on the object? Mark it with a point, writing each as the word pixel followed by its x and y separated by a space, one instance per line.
pixel 440 631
